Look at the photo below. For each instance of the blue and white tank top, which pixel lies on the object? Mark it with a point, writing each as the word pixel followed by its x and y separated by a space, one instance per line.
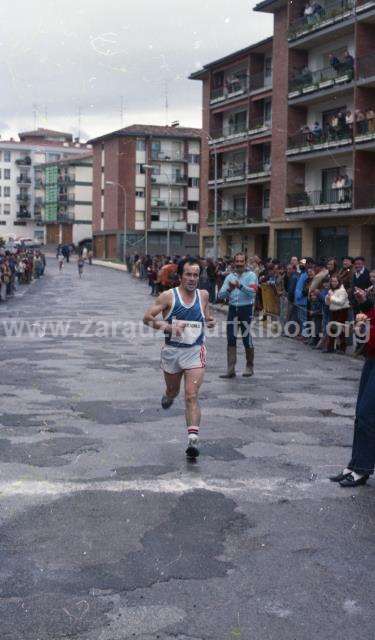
pixel 193 333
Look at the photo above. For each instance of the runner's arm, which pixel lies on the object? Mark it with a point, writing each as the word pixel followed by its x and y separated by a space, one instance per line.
pixel 162 303
pixel 210 320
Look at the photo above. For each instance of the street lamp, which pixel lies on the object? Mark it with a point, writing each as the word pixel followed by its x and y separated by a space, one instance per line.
pixel 162 173
pixel 117 184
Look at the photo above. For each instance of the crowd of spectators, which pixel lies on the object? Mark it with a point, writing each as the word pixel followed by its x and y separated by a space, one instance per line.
pixel 310 295
pixel 19 266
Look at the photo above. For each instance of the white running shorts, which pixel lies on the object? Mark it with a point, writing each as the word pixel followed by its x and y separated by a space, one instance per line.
pixel 177 359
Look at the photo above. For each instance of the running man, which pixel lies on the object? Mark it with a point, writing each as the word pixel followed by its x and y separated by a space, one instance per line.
pixel 80 264
pixel 185 313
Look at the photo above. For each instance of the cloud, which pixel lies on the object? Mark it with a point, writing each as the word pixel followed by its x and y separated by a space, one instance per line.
pixel 60 57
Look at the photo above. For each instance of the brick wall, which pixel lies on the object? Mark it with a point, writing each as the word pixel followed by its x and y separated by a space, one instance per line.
pixel 96 187
pixel 127 173
pixel 205 152
pixel 279 115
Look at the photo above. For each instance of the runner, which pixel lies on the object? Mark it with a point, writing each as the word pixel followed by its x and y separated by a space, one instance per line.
pixel 60 260
pixel 185 312
pixel 80 264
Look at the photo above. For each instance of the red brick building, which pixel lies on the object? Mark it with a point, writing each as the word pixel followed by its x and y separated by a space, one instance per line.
pixel 321 190
pixel 237 120
pixel 154 172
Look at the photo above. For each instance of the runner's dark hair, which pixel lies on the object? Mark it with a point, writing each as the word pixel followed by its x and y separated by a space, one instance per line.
pixel 190 261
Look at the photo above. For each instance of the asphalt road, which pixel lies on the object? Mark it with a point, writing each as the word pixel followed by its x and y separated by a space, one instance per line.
pixel 107 533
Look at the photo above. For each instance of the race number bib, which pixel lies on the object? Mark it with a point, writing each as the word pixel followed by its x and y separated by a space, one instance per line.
pixel 190 334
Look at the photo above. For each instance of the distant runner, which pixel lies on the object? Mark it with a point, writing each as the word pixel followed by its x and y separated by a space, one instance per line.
pixel 80 264
pixel 185 313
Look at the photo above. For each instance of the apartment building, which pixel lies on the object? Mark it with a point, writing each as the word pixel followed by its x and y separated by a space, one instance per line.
pixel 18 209
pixel 63 200
pixel 323 162
pixel 236 158
pixel 146 191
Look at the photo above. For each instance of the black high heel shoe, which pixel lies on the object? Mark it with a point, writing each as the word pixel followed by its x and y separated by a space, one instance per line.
pixel 351 483
pixel 340 476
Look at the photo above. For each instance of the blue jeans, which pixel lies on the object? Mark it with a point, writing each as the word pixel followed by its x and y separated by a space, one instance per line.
pixel 239 317
pixel 363 452
pixel 302 318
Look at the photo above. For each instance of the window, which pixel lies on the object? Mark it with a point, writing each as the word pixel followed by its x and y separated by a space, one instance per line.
pixel 0 169
pixel 6 209
pixel 267 111
pixel 266 198
pixel 155 149
pixel 194 158
pixel 6 156
pixel 140 193
pixel 6 174
pixel 193 182
pixel 0 191
pixel 6 192
pixel 2 221
pixel 239 204
pixel 268 67
pixel 139 168
pixel 192 206
pixel 154 216
pixel 141 144
pixel 289 243
pixel 192 228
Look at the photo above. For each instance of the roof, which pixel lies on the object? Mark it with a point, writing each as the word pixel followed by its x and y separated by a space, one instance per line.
pixel 67 161
pixel 151 130
pixel 41 132
pixel 231 56
pixel 269 6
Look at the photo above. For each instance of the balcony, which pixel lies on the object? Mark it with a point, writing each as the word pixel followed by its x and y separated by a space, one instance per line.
pixel 229 132
pixel 260 81
pixel 233 217
pixel 174 225
pixel 65 218
pixel 167 180
pixel 366 68
pixel 66 180
pixel 259 171
pixel 365 129
pixel 332 13
pixel 168 157
pixel 24 180
pixel 39 184
pixel 306 82
pixel 231 90
pixel 23 214
pixel 24 162
pixel 330 200
pixel 309 142
pixel 260 126
pixel 66 199
pixel 23 197
pixel 164 204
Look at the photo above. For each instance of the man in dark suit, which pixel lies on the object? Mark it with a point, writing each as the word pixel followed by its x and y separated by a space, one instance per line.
pixel 360 280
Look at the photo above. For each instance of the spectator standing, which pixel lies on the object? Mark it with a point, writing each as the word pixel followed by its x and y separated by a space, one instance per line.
pixel 338 302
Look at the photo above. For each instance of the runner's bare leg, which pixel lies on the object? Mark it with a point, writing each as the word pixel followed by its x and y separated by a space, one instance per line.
pixel 193 381
pixel 172 384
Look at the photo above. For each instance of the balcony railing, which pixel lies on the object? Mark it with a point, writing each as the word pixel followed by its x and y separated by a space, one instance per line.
pixel 26 161
pixel 238 217
pixel 39 184
pixel 230 90
pixel 65 217
pixel 68 180
pixel 365 129
pixel 333 11
pixel 306 81
pixel 236 172
pixel 259 168
pixel 259 125
pixel 173 225
pixel 23 213
pixel 23 197
pixel 163 179
pixel 66 199
pixel 366 66
pixel 260 81
pixel 173 157
pixel 230 131
pixel 304 142
pixel 323 200
pixel 23 180
pixel 164 204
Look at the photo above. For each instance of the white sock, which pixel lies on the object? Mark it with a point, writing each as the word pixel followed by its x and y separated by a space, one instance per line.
pixel 356 476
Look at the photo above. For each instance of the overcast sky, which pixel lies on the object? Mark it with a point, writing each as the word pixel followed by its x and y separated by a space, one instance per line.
pixel 59 57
